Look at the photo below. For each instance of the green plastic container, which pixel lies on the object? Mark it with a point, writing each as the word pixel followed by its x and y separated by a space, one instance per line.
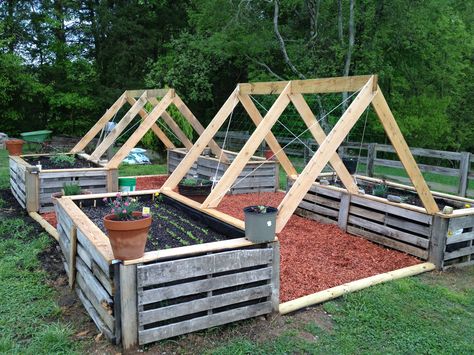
pixel 36 136
pixel 127 184
pixel 260 227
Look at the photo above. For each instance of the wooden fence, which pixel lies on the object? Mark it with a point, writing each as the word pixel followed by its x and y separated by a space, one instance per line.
pixel 458 165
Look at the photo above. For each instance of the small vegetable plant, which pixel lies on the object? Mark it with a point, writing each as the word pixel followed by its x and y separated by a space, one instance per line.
pixel 195 182
pixel 122 208
pixel 259 209
pixel 71 189
pixel 63 160
pixel 380 190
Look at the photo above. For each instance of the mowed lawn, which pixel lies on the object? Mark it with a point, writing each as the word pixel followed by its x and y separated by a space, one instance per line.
pixel 430 314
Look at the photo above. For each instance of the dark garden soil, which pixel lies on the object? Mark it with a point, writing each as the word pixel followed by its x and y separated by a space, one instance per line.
pixel 316 256
pixel 170 227
pixel 46 163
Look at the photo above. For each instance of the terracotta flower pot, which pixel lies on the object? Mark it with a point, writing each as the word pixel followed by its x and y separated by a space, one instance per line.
pixel 14 146
pixel 127 238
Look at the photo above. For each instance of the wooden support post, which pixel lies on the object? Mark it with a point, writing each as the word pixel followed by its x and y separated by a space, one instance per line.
pixel 204 139
pixel 464 167
pixel 193 121
pixel 248 149
pixel 275 298
pixel 403 151
pixel 371 156
pixel 336 162
pixel 439 234
pixel 112 180
pixel 344 211
pixel 326 150
pixel 141 130
pixel 32 190
pixel 119 128
pixel 100 124
pixel 72 256
pixel 129 306
pixel 270 139
pixel 117 304
pixel 173 125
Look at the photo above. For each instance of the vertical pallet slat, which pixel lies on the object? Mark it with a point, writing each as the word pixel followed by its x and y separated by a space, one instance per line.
pixel 128 302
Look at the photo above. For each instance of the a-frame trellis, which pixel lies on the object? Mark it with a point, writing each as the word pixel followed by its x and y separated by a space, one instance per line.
pixel 292 91
pixel 137 100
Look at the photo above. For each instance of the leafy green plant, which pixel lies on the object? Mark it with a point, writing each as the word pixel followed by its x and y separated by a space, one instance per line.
pixel 62 159
pixel 195 182
pixel 122 208
pixel 259 209
pixel 380 190
pixel 71 189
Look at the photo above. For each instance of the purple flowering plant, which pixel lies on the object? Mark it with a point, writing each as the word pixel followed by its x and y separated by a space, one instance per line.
pixel 122 207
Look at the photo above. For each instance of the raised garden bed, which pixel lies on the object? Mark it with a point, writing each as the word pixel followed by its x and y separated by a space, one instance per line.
pixel 33 187
pixel 168 292
pixel 444 239
pixel 260 175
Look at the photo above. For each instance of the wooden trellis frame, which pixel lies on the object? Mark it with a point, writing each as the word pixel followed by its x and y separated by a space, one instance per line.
pixel 137 100
pixel 291 91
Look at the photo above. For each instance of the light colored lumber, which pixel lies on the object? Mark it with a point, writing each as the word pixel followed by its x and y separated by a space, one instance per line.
pixel 194 122
pixel 119 128
pixel 100 124
pixel 146 124
pixel 46 226
pixel 310 86
pixel 403 151
pixel 173 125
pixel 201 143
pixel 353 286
pixel 31 191
pixel 128 302
pixel 326 150
pixel 157 130
pixel 236 167
pixel 149 92
pixel 269 138
pixel 72 256
pixel 336 162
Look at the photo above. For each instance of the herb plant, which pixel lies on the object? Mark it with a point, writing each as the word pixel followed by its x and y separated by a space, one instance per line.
pixel 71 189
pixel 63 160
pixel 380 190
pixel 122 207
pixel 195 182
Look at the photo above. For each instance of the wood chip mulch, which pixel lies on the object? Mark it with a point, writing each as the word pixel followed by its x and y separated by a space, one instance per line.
pixel 316 256
pixel 150 182
pixel 50 217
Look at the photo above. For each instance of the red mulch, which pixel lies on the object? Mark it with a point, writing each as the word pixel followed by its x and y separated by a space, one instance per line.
pixel 150 182
pixel 50 217
pixel 316 256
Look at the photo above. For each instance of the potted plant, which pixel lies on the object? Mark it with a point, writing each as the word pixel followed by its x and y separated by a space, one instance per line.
pixel 69 190
pixel 351 164
pixel 260 223
pixel 14 146
pixel 127 228
pixel 196 189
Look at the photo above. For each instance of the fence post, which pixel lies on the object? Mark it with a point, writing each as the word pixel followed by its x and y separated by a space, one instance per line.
pixel 439 233
pixel 371 155
pixel 464 166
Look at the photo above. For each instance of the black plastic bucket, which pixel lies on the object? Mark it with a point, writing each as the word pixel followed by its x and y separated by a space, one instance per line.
pixel 260 227
pixel 351 164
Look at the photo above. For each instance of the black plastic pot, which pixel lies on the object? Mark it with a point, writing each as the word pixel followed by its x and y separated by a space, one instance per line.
pixel 197 193
pixel 260 227
pixel 351 164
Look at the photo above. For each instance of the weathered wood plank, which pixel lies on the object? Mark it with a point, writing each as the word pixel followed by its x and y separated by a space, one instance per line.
pixel 461 222
pixel 168 331
pixel 203 265
pixel 399 223
pixel 343 214
pixel 318 209
pixel 389 232
pixel 129 310
pixel 203 304
pixel 459 253
pixel 191 288
pixel 311 215
pixel 322 201
pixel 366 213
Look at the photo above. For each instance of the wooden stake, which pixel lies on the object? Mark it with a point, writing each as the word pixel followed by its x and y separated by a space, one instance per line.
pixel 72 256
pixel 193 121
pixel 121 125
pixel 216 123
pixel 141 130
pixel 403 151
pixel 248 149
pixel 334 292
pixel 100 124
pixel 326 150
pixel 270 138
pixel 336 162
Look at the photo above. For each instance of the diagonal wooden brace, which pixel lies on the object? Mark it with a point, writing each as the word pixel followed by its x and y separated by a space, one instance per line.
pixel 326 150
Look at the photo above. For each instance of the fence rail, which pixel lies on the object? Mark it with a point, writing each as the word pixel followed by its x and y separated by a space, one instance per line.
pixel 457 165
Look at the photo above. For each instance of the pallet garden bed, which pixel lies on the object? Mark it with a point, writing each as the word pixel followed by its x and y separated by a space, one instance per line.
pixel 259 175
pixel 214 277
pixel 33 187
pixel 444 239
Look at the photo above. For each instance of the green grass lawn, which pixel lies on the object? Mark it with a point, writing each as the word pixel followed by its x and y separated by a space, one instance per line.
pixel 4 169
pixel 138 170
